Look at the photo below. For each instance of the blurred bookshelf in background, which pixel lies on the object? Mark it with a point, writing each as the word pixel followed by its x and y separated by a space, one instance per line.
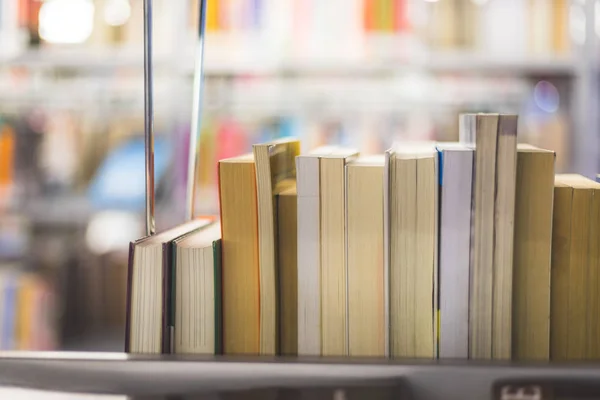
pixel 355 72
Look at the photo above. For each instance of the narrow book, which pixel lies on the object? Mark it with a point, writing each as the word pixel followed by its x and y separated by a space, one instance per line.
pixel 239 255
pixel 197 292
pixel 504 222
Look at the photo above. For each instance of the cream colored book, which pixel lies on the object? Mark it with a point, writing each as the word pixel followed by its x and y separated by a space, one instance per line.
pixel 504 222
pixel 532 253
pixel 334 321
pixel 561 249
pixel 275 171
pixel 481 132
pixel 241 282
pixel 494 138
pixel 366 295
pixel 197 292
pixel 574 300
pixel 308 175
pixel 413 207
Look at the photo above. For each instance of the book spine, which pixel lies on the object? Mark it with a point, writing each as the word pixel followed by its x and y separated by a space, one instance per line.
pixel 10 297
pixel 128 298
pixel 504 218
pixel 309 261
pixel 218 297
pixel 386 249
pixel 167 298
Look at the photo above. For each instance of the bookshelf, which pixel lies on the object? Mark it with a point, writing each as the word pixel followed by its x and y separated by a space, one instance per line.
pixel 113 373
pixel 174 375
pixel 91 68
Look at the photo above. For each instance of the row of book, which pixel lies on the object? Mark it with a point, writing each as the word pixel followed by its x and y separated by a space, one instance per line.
pixel 539 25
pixel 27 311
pixel 542 25
pixel 472 249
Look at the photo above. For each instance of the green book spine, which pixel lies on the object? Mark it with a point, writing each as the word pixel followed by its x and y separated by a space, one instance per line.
pixel 218 297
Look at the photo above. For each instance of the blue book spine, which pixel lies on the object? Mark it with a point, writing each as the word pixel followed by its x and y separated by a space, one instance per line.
pixel 9 314
pixel 441 165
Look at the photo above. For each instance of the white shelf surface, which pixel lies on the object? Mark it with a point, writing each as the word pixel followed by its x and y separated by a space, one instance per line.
pixel 109 59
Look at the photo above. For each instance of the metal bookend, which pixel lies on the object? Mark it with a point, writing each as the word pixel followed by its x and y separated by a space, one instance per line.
pixel 148 118
pixel 196 124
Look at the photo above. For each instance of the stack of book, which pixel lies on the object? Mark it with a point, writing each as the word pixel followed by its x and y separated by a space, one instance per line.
pixel 472 249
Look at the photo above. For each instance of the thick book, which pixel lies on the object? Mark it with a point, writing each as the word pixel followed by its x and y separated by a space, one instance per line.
pixel 413 209
pixel 275 172
pixel 365 268
pixel 240 255
pixel 575 269
pixel 493 136
pixel 532 253
pixel 148 318
pixel 455 170
pixel 196 288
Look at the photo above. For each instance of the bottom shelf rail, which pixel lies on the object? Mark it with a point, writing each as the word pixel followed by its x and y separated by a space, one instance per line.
pixel 166 375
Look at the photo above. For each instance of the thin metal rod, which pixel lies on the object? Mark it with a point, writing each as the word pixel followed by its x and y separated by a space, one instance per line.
pixel 148 118
pixel 196 126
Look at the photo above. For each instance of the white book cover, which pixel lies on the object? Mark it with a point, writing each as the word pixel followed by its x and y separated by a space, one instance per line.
pixel 455 177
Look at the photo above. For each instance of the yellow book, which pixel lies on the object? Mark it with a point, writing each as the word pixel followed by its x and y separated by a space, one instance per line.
pixel 366 294
pixel 560 26
pixel 574 300
pixel 240 266
pixel 532 255
pixel 25 312
pixel 7 147
pixel 212 16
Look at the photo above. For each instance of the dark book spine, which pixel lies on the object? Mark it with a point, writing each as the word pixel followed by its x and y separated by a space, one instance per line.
pixel 128 299
pixel 218 297
pixel 167 317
